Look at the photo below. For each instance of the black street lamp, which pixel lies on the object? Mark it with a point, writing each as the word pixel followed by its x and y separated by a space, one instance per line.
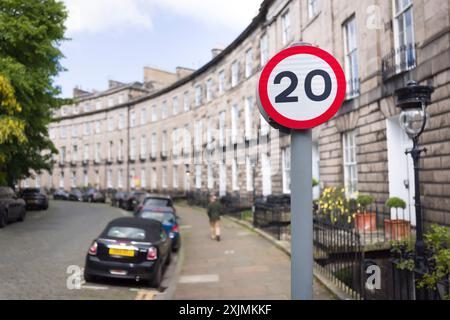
pixel 413 100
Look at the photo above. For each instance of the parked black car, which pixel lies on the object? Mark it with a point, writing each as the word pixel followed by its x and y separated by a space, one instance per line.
pixel 132 200
pixel 118 198
pixel 34 198
pixel 94 195
pixel 12 208
pixel 77 195
pixel 155 200
pixel 130 248
pixel 60 194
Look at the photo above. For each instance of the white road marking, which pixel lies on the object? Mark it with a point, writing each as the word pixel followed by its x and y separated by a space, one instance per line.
pixel 186 227
pixel 94 287
pixel 229 251
pixel 201 278
pixel 243 233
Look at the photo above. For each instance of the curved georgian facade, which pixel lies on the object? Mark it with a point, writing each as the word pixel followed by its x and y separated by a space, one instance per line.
pixel 201 129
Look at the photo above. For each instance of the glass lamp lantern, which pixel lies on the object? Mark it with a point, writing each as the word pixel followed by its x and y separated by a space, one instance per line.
pixel 413 100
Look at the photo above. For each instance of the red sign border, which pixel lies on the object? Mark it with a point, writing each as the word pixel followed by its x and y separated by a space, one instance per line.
pixel 305 124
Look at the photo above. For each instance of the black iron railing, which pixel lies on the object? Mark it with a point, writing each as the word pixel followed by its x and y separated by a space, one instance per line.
pixel 399 60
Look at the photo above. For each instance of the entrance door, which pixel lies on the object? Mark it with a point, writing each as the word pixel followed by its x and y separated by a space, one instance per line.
pixel 401 170
pixel 266 175
pixel 222 179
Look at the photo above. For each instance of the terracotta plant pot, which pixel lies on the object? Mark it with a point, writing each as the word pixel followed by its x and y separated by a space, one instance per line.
pixel 366 222
pixel 397 229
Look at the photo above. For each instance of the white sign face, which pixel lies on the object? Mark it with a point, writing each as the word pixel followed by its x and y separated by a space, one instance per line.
pixel 297 105
pixel 301 87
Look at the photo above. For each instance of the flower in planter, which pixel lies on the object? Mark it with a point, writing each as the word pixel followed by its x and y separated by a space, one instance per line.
pixel 396 203
pixel 334 204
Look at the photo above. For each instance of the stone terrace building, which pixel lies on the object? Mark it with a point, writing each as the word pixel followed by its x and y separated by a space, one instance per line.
pixel 157 135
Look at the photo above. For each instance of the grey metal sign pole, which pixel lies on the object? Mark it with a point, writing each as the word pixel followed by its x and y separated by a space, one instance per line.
pixel 301 215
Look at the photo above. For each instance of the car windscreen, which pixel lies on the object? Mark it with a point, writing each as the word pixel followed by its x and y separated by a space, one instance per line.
pixel 162 217
pixel 157 202
pixel 126 233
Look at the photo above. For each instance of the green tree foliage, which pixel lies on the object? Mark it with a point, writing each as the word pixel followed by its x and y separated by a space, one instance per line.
pixel 11 127
pixel 30 35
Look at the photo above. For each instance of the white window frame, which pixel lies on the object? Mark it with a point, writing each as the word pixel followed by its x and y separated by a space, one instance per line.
pixel 209 90
pixel 131 178
pixel 86 152
pixel 97 150
pixel 234 73
pixel 286 27
pixel 154 113
pixel 164 110
pixel 164 147
pixel 120 150
pixel 186 102
pixel 164 177
pixel 312 8
pixel 286 169
pixel 399 15
pixel 133 148
pixel 121 121
pixel 110 124
pixel 143 116
pixel 175 105
pixel 351 57
pixel 154 179
pixel 143 146
pixel 264 49
pixel 175 177
pixel 98 126
pixel 62 156
pixel 198 139
pixel 187 139
pixel 210 182
pixel 249 174
pixel 222 128
pixel 198 176
pixel 198 95
pixel 221 81
pixel 154 143
pixel 350 162
pixel 143 178
pixel 109 178
pixel 234 175
pixel 249 117
pixel 110 150
pixel 120 179
pixel 234 122
pixel 175 145
pixel 74 153
pixel 248 62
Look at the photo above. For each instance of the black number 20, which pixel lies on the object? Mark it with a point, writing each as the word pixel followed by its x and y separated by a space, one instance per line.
pixel 284 97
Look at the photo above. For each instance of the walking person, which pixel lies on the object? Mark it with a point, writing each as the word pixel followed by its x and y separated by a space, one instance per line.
pixel 214 217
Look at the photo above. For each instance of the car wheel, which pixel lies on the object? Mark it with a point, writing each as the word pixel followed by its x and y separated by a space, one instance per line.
pixel 169 258
pixel 22 215
pixel 89 277
pixel 3 219
pixel 156 281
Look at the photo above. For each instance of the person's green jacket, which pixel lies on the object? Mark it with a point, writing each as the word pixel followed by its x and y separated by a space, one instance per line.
pixel 214 211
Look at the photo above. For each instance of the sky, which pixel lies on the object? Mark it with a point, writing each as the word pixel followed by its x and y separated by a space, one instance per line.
pixel 115 39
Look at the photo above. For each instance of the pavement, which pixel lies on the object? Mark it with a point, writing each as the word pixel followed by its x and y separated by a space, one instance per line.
pixel 243 265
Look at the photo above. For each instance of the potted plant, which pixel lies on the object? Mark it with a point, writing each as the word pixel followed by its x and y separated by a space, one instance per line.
pixel 364 220
pixel 396 229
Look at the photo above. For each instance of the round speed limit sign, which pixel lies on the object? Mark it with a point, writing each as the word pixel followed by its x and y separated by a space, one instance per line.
pixel 301 87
